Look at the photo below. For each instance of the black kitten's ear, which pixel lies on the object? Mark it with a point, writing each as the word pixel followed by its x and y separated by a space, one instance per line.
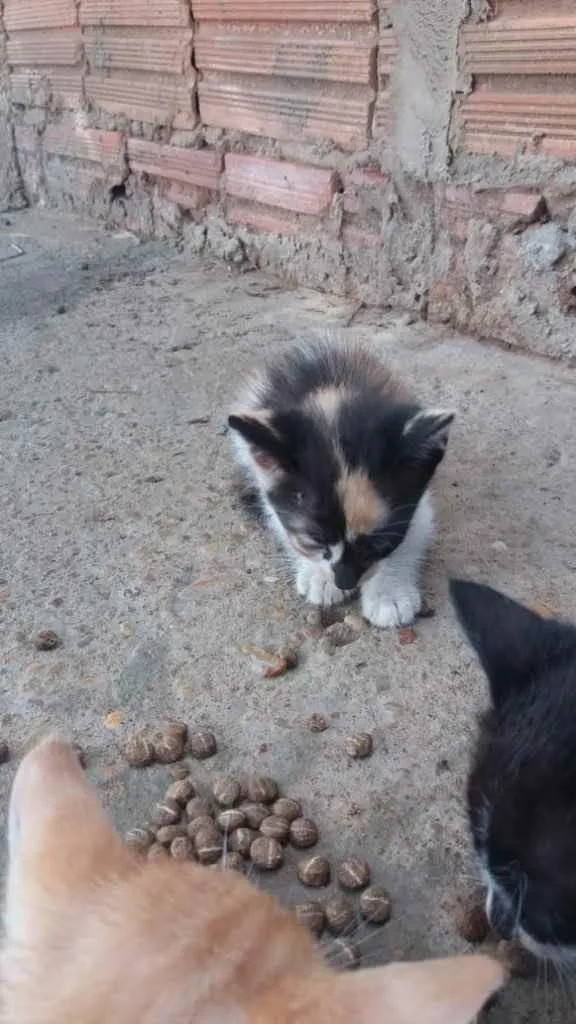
pixel 426 435
pixel 266 446
pixel 513 643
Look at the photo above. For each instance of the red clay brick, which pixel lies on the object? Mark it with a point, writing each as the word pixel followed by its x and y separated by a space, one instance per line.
pixel 33 14
pixel 189 197
pixel 167 13
pixel 521 46
pixel 65 139
pixel 274 109
pixel 152 50
pixel 200 167
pixel 505 122
pixel 520 205
pixel 295 187
pixel 65 87
pixel 263 220
pixel 157 99
pixel 62 47
pixel 319 57
pixel 336 11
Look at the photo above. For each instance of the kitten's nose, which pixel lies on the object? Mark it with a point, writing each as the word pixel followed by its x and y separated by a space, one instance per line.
pixel 345 576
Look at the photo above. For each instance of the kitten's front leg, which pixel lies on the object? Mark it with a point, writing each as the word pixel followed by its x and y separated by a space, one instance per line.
pixel 391 597
pixel 315 583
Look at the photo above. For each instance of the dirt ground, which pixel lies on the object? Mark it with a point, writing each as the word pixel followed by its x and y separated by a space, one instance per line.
pixel 121 530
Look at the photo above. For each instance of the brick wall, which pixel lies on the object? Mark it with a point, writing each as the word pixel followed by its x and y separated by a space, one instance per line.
pixel 409 154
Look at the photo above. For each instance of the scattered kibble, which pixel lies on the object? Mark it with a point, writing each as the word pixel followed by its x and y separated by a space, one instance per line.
pixel 359 745
pixel 353 873
pixel 314 872
pixel 47 640
pixel 375 905
pixel 202 744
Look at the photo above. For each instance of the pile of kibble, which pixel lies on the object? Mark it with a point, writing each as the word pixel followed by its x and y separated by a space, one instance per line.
pixel 244 824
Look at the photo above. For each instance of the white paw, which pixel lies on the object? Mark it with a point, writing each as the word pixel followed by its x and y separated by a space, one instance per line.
pixel 389 607
pixel 316 585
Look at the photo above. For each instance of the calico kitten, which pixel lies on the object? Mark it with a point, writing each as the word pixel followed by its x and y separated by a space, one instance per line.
pixel 95 934
pixel 342 458
pixel 522 785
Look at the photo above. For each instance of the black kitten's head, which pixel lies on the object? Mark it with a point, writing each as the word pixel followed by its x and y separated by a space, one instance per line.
pixel 344 473
pixel 522 784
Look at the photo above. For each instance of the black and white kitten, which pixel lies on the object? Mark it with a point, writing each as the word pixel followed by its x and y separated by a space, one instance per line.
pixel 342 458
pixel 522 784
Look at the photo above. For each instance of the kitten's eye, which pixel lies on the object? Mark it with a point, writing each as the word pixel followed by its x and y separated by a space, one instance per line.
pixel 327 554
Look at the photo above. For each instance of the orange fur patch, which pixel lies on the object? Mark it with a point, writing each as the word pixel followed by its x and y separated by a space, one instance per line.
pixel 363 506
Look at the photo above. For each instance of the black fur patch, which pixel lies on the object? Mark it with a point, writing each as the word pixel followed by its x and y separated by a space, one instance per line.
pixel 522 782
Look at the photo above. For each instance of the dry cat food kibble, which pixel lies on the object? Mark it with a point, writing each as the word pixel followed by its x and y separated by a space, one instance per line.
pixel 47 640
pixel 227 791
pixel 312 916
pixel 314 872
pixel 316 723
pixel 303 833
pixel 339 913
pixel 359 745
pixel 238 824
pixel 287 809
pixel 177 729
pixel 140 751
pixel 262 790
pixel 471 921
pixel 375 905
pixel 254 813
pixel 168 747
pixel 353 873
pixel 202 744
pixel 266 854
pixel 241 840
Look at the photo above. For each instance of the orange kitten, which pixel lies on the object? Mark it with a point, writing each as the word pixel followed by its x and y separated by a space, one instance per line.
pixel 95 935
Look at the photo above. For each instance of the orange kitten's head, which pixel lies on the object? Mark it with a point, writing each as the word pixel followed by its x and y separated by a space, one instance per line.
pixel 94 934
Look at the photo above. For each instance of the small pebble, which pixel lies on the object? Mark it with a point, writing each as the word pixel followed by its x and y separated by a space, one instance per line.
pixel 202 744
pixel 303 833
pixel 198 807
pixel 181 848
pixel 241 839
pixel 47 640
pixel 254 813
pixel 312 916
pixel 166 812
pixel 314 872
pixel 316 723
pixel 182 790
pixel 286 808
pixel 471 921
pixel 344 955
pixel 139 839
pixel 140 750
pixel 275 828
pixel 353 873
pixel 359 745
pixel 339 913
pixel 266 854
pixel 227 791
pixel 262 790
pixel 375 905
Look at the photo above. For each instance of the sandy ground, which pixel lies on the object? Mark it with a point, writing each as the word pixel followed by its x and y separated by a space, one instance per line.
pixel 120 529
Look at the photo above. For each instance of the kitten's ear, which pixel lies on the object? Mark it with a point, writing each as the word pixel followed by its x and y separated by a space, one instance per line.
pixel 513 643
pixel 426 435
pixel 266 446
pixel 449 991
